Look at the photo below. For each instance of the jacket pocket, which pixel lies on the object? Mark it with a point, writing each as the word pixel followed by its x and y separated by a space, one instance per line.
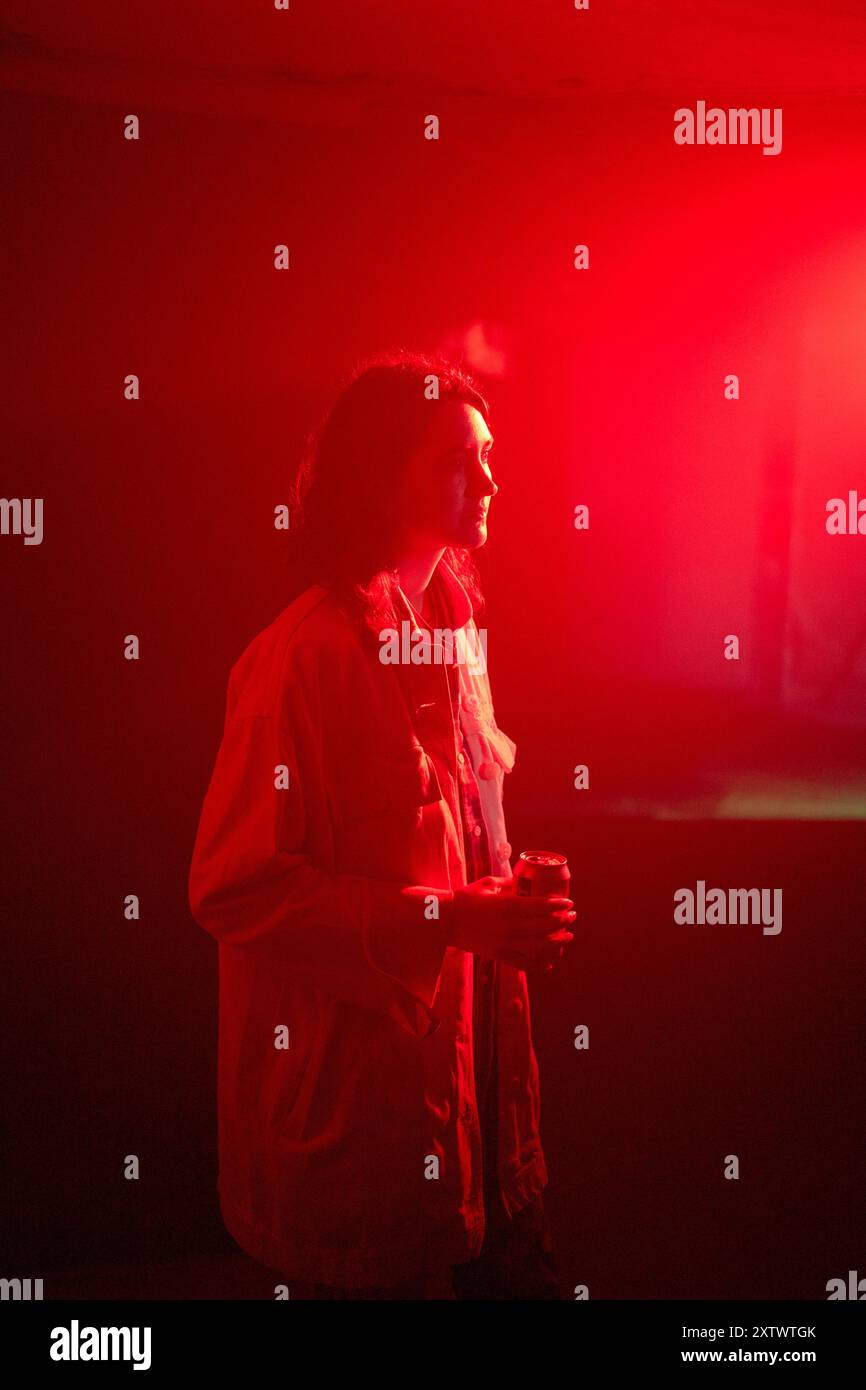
pixel 381 786
pixel 282 1086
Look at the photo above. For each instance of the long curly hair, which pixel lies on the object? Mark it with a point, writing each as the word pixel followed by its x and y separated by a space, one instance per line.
pixel 345 523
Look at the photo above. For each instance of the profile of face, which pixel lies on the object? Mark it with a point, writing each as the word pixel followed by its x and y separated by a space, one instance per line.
pixel 448 483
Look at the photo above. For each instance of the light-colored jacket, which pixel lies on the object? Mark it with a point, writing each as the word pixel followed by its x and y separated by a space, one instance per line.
pixel 353 1155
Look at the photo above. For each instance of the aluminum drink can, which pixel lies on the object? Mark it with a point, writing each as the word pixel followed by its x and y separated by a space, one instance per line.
pixel 539 874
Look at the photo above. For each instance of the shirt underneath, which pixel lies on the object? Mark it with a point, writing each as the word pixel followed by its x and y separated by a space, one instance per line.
pixel 484 971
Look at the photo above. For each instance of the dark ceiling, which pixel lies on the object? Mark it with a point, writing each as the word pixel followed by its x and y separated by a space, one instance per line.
pixel 326 61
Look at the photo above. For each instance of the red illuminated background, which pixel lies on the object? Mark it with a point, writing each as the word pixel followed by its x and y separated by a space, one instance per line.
pixel 707 518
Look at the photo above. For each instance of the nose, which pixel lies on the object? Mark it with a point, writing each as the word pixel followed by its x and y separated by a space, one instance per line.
pixel 482 482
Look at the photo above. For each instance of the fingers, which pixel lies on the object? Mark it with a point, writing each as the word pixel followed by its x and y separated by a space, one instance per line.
pixel 536 907
pixel 537 926
pixel 562 935
pixel 492 883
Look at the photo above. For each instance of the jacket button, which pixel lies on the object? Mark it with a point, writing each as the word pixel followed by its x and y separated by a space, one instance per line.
pixel 516 1007
pixel 504 850
pixel 516 1083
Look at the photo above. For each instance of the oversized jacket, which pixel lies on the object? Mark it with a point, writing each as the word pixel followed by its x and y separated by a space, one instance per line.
pixel 353 1154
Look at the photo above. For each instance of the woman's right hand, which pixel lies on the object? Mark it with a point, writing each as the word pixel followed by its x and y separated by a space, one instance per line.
pixel 489 919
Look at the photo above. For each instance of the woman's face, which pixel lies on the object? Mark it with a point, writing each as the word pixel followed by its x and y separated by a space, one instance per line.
pixel 448 483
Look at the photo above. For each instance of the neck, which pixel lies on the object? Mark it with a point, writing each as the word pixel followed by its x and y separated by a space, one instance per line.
pixel 416 570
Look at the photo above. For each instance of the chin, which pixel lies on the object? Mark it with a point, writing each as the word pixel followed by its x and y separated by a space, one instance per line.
pixel 472 536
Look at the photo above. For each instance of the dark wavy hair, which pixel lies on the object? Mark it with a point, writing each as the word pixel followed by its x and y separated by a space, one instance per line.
pixel 345 522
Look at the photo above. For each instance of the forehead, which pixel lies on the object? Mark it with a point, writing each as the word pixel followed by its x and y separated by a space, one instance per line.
pixel 456 425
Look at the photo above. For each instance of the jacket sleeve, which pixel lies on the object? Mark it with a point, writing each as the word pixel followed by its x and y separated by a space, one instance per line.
pixel 252 884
